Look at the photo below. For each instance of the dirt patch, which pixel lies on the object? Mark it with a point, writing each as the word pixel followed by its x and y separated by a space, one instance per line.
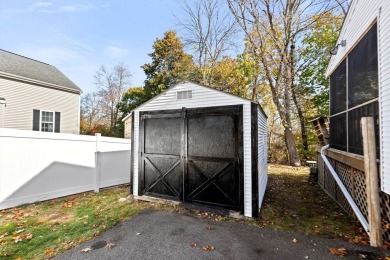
pixel 293 203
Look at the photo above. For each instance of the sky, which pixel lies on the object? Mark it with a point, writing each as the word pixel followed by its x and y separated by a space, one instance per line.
pixel 79 36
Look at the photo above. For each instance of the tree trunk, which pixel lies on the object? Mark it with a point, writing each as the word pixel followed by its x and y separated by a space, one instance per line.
pixel 295 100
pixel 302 120
pixel 291 147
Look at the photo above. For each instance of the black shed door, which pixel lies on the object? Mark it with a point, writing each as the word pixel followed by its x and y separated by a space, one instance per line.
pixel 161 155
pixel 193 155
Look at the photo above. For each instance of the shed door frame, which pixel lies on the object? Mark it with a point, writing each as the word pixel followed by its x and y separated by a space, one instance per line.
pixel 237 163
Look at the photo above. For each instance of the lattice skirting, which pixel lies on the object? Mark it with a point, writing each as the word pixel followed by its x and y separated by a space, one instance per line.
pixel 354 181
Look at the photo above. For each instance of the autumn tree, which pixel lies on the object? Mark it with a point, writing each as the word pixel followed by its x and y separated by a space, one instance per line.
pixel 239 76
pixel 111 84
pixel 209 32
pixel 274 29
pixel 170 65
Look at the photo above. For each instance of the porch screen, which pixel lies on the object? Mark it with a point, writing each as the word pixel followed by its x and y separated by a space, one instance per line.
pixel 354 94
pixel 363 70
pixel 338 89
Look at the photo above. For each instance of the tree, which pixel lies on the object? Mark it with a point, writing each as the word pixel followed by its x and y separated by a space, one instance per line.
pixel 310 92
pixel 238 76
pixel 111 85
pixel 315 58
pixel 170 65
pixel 90 111
pixel 132 98
pixel 209 30
pixel 273 28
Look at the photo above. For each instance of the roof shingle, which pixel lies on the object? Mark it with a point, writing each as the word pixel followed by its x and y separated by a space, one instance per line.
pixel 18 65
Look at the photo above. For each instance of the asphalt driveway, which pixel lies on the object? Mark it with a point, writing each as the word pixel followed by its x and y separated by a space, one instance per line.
pixel 169 235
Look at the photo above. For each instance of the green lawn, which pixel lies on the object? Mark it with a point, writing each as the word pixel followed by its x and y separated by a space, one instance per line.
pixel 45 229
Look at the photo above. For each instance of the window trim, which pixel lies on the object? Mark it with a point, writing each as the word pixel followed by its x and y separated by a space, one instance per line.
pixel 40 120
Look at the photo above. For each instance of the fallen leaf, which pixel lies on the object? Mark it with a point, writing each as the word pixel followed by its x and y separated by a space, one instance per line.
pixel 208 248
pixel 4 235
pixel 193 245
pixel 49 252
pixel 69 204
pixel 17 239
pixel 210 227
pixel 338 251
pixel 110 245
pixel 295 240
pixel 85 250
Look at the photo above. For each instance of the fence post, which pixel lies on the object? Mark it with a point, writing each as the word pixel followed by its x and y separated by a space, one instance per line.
pixel 372 182
pixel 97 171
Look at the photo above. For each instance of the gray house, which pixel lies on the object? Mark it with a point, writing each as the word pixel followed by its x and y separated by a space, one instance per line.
pixel 37 96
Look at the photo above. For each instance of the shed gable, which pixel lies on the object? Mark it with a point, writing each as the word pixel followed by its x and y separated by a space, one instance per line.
pixel 199 96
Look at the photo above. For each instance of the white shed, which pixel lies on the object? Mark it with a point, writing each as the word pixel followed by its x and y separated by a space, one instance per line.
pixel 199 145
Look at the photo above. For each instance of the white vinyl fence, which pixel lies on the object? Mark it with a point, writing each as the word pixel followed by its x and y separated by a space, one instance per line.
pixel 36 166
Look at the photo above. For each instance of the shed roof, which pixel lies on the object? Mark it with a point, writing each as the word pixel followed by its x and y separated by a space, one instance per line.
pixel 22 68
pixel 199 85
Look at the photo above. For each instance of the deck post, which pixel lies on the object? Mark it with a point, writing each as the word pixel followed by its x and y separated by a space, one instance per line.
pixel 372 181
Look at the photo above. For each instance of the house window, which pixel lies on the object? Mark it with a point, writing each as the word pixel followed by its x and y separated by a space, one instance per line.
pixel 184 94
pixel 47 121
pixel 354 94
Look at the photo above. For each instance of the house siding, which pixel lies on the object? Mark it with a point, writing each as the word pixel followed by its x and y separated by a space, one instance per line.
pixel 201 97
pixel 362 15
pixel 384 92
pixel 23 98
pixel 262 154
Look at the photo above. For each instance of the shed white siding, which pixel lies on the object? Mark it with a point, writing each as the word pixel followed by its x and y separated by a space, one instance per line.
pixel 201 97
pixel 362 14
pixel 262 154
pixel 22 98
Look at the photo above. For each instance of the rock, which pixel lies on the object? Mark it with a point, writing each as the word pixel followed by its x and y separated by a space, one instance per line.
pixel 130 198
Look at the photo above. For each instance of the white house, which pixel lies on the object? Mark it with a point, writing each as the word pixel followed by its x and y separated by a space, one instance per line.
pixel 199 145
pixel 37 96
pixel 359 73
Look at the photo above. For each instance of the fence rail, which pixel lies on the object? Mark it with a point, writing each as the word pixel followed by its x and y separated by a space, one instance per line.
pixel 353 177
pixel 36 166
